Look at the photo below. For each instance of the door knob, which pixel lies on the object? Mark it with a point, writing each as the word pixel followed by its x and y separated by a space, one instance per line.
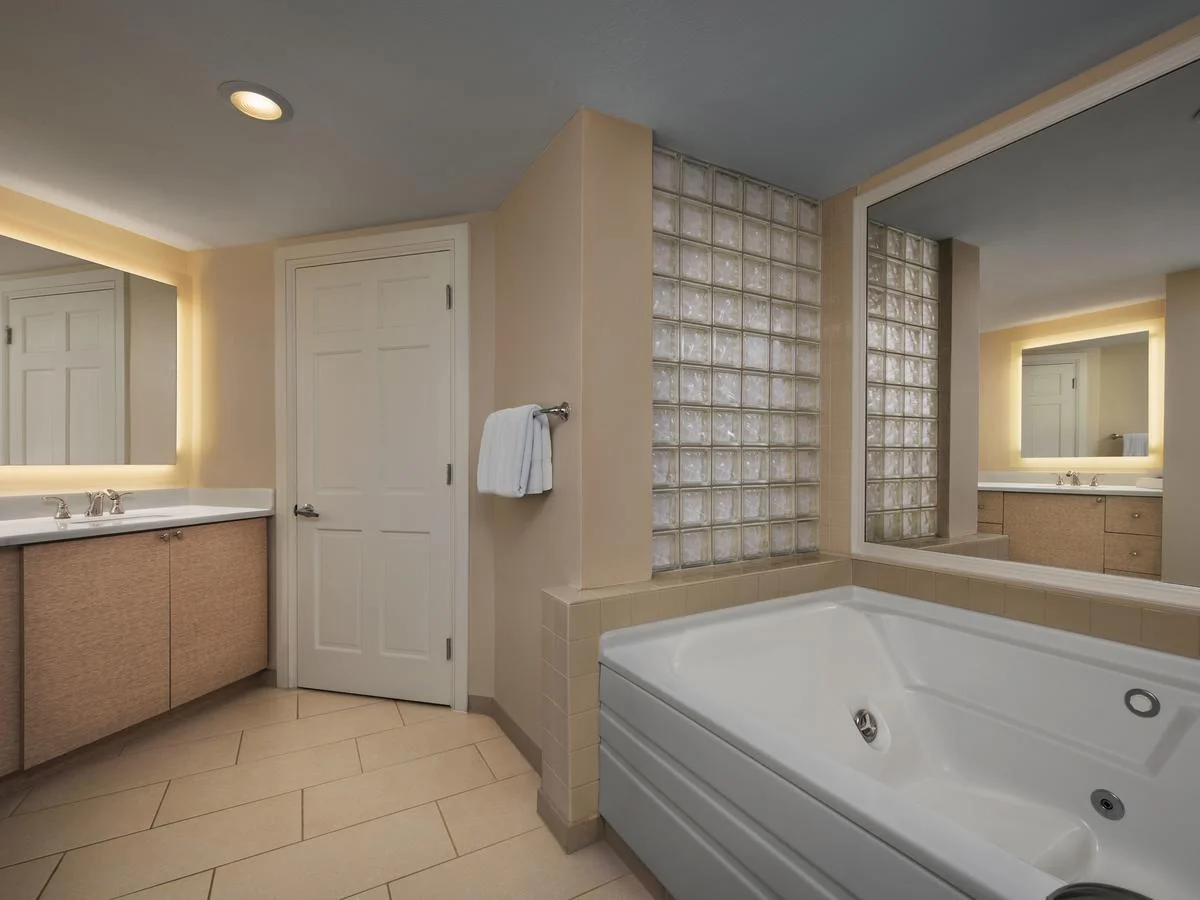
pixel 306 511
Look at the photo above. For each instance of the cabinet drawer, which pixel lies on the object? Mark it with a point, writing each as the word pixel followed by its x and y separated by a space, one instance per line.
pixel 1134 515
pixel 1140 553
pixel 991 507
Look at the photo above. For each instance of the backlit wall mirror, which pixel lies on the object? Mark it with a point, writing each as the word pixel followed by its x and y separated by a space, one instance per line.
pixel 89 362
pixel 1020 379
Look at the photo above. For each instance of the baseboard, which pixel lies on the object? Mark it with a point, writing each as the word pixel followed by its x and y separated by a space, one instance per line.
pixel 488 706
pixel 570 836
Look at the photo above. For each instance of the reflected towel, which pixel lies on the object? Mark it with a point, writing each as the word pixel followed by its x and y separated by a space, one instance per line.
pixel 1137 444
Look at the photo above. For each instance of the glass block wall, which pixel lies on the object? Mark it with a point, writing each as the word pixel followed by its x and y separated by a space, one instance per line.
pixel 736 366
pixel 902 373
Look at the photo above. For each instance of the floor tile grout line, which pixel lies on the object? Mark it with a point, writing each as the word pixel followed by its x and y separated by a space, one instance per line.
pixel 53 872
pixel 358 752
pixel 238 756
pixel 624 874
pixel 212 879
pixel 441 815
pixel 447 862
pixel 158 809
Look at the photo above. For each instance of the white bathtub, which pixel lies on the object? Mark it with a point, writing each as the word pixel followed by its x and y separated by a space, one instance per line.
pixel 730 761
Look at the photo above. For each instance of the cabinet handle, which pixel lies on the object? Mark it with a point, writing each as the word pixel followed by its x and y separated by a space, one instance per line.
pixel 1132 554
pixel 179 535
pixel 165 536
pixel 1137 515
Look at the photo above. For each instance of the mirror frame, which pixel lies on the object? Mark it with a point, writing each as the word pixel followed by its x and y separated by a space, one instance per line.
pixel 1160 56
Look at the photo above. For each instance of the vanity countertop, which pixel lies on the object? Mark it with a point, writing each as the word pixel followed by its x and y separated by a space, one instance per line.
pixel 42 529
pixel 1027 487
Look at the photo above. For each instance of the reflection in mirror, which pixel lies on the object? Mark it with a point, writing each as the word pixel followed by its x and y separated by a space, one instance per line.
pixel 1087 398
pixel 1020 372
pixel 89 362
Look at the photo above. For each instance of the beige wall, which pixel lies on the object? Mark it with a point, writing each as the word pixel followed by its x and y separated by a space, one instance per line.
pixel 958 437
pixel 1181 432
pixel 1124 385
pixel 151 376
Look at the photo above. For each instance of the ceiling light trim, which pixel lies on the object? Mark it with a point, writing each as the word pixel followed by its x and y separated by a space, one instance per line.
pixel 230 88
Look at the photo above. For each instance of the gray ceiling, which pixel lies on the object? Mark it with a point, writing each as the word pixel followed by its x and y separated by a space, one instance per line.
pixel 414 109
pixel 1089 213
pixel 18 258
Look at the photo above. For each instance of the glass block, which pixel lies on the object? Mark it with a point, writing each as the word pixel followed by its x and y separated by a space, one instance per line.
pixel 876 301
pixel 912 279
pixel 874 529
pixel 783 208
pixel 727 309
pixel 695 221
pixel 893 369
pixel 876 237
pixel 754 466
pixel 726 427
pixel 910 494
pixel 727 544
pixel 783 282
pixel 929 492
pixel 895 243
pixel 694 179
pixel 912 248
pixel 666 255
pixel 808 323
pixel 912 433
pixel 808 501
pixel 912 340
pixel 929 313
pixel 727 230
pixel 929 431
pixel 929 404
pixel 695 262
pixel 910 371
pixel 666 213
pixel 695 344
pixel 929 284
pixel 876 269
pixel 893 337
pixel 665 385
pixel 756 351
pixel 783 318
pixel 756 237
pixel 783 355
pixel 756 314
pixel 891 463
pixel 912 463
pixel 874 496
pixel 929 254
pixel 876 331
pixel 756 199
pixel 891 495
pixel 666 425
pixel 893 432
pixel 665 467
pixel 782 502
pixel 783 538
pixel 727 348
pixel 783 392
pixel 665 172
pixel 874 431
pixel 756 275
pixel 808 215
pixel 911 524
pixel 928 462
pixel 912 309
pixel 755 541
pixel 664 553
pixel 893 401
pixel 808 465
pixel 666 298
pixel 929 343
pixel 665 510
pixel 875 464
pixel 666 341
pixel 928 522
pixel 754 504
pixel 695 385
pixel 874 400
pixel 695 303
pixel 807 537
pixel 928 373
pixel 808 359
pixel 695 427
pixel 726 468
pixel 876 369
pixel 727 388
pixel 808 287
pixel 782 466
pixel 756 427
pixel 912 401
pixel 693 508
pixel 895 274
pixel 893 306
pixel 695 547
pixel 727 269
pixel 783 429
pixel 726 189
pixel 755 391
pixel 726 506
pixel 808 431
pixel 892 526
pixel 808 250
pixel 783 245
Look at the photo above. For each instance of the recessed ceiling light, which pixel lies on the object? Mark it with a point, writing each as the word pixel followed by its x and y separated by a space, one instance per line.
pixel 257 101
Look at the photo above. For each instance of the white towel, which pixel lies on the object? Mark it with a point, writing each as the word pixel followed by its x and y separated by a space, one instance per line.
pixel 1137 444
pixel 514 455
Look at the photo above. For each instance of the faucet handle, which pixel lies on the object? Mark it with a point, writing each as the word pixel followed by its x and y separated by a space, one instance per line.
pixel 118 501
pixel 63 512
pixel 1095 482
pixel 1058 482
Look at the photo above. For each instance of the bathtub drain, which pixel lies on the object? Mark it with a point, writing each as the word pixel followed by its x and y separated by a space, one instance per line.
pixel 864 721
pixel 1108 804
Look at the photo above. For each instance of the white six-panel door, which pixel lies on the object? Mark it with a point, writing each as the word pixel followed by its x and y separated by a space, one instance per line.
pixel 374 423
pixel 1048 410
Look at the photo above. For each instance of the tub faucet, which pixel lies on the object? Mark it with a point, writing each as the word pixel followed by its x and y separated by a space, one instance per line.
pixel 1074 476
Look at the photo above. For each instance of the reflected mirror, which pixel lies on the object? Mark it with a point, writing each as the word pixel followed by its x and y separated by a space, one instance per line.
pixel 1087 398
pixel 89 362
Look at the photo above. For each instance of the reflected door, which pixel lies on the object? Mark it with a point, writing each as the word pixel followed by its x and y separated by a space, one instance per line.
pixel 374 366
pixel 1048 410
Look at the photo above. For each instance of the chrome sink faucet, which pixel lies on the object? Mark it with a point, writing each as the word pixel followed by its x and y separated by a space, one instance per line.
pixel 1074 476
pixel 95 503
pixel 118 501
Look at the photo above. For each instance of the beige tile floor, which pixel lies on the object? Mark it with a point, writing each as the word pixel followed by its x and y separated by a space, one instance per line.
pixel 300 795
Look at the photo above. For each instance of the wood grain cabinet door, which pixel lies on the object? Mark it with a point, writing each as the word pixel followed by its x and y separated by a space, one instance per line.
pixel 96 639
pixel 1055 530
pixel 218 606
pixel 10 660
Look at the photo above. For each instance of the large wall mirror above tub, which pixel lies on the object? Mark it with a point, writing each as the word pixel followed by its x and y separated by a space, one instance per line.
pixel 89 362
pixel 1029 333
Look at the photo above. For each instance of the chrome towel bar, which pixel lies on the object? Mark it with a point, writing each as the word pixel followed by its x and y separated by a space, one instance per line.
pixel 563 411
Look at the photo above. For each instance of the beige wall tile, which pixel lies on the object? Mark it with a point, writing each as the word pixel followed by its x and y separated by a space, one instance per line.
pixel 555 684
pixel 1024 603
pixel 952 590
pixel 25 881
pixel 380 792
pixel 25 837
pixel 413 713
pixel 492 813
pixel 585 801
pixel 986 596
pixel 584 656
pixel 554 650
pixel 747 588
pixel 1068 612
pixel 147 858
pixel 503 758
pixel 556 756
pixel 272 740
pixel 1116 621
pixel 555 789
pixel 389 748
pixel 194 887
pixel 699 598
pixel 256 709
pixel 554 720
pixel 583 619
pixel 920 583
pixel 770 585
pixel 584 693
pixel 234 785
pixel 654 606
pixel 316 703
pixel 615 612
pixel 585 765
pixel 343 862
pixel 133 770
pixel 531 865
pixel 583 729
pixel 879 576
pixel 1171 632
pixel 625 888
pixel 726 592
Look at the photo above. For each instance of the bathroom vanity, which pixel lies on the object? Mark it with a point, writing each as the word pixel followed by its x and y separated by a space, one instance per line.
pixel 108 623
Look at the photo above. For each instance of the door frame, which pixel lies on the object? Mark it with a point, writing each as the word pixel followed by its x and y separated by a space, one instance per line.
pixel 288 259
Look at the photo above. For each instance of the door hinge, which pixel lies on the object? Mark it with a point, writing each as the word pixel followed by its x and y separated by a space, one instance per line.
pixel 1072 384
pixel 449 473
pixel 8 334
pixel 449 647
pixel 449 297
